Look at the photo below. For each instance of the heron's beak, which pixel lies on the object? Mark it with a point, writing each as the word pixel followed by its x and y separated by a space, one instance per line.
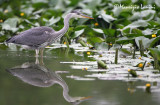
pixel 85 98
pixel 85 16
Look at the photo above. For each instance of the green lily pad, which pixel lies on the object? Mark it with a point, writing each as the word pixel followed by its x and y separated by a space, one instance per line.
pixel 101 46
pixel 107 18
pixel 78 33
pixel 146 41
pixel 136 24
pixel 10 24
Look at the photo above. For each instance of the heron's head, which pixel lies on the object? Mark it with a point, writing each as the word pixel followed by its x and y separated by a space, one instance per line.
pixel 78 14
pixel 78 100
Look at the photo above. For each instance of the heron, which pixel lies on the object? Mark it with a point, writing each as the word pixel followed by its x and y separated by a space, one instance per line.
pixel 40 76
pixel 38 38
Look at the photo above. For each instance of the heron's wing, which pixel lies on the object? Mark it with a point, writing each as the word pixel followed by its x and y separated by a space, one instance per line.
pixel 33 74
pixel 32 37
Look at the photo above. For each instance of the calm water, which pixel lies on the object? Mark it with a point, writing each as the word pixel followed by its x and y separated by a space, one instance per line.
pixel 23 82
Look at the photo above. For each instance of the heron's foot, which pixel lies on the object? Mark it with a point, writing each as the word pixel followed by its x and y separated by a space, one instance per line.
pixel 36 56
pixel 41 61
pixel 41 52
pixel 37 60
pixel 37 53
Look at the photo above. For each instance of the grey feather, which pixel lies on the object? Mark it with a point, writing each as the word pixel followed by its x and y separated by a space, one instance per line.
pixel 33 37
pixel 35 75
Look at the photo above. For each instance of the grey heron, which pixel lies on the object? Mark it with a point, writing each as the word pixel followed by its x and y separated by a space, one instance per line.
pixel 38 38
pixel 40 76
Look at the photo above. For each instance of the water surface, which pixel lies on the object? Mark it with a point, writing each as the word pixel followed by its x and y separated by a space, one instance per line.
pixel 23 82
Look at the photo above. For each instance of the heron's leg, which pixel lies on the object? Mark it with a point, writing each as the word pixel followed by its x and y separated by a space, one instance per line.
pixel 41 61
pixel 41 51
pixel 37 52
pixel 37 60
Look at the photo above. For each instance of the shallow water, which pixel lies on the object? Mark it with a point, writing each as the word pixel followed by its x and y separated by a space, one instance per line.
pixel 24 82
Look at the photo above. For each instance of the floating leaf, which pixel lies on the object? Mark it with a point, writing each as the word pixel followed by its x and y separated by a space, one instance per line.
pixel 93 40
pixel 36 24
pixel 28 10
pixel 51 21
pixel 155 52
pixel 109 32
pixel 80 27
pixel 101 46
pixel 136 24
pixel 3 47
pixel 10 24
pixel 154 41
pixel 146 42
pixel 117 11
pixel 101 65
pixel 147 31
pixel 107 18
pixel 157 3
pixel 124 40
pixel 146 14
pixel 125 51
pixel 77 33
pixel 38 11
pixel 37 1
pixel 98 30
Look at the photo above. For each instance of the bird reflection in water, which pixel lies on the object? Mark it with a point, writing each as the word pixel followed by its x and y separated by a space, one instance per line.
pixel 38 75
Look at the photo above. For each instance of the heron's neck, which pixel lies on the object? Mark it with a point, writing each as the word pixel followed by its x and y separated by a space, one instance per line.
pixel 67 97
pixel 61 32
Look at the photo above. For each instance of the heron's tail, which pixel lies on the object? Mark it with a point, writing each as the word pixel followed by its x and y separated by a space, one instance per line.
pixel 10 40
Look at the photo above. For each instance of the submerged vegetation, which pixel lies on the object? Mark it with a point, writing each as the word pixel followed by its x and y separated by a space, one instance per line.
pixel 128 27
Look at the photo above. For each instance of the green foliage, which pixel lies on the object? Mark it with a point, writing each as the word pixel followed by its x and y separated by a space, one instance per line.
pixel 155 52
pixel 114 25
pixel 10 24
pixel 94 40
pixel 133 73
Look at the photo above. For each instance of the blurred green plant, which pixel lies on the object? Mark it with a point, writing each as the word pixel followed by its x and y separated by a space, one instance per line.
pixel 116 23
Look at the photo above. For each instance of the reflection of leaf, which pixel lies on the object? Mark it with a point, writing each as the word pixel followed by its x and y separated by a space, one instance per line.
pixel 10 24
pixel 101 46
pixel 136 24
